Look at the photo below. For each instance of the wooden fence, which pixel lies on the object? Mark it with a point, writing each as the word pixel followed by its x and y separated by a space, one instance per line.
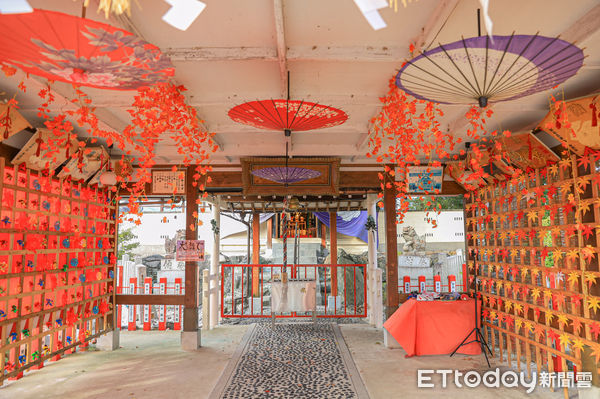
pixel 533 247
pixel 57 259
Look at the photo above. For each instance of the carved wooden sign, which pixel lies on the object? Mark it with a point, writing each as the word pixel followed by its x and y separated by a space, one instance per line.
pixel 326 183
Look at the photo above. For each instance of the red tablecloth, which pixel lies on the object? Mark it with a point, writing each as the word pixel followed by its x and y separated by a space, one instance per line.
pixel 433 327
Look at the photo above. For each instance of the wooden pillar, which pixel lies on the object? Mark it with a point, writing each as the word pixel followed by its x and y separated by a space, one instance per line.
pixel 190 301
pixel 391 242
pixel 215 266
pixel 374 294
pixel 323 235
pixel 588 364
pixel 333 250
pixel 270 233
pixel 255 252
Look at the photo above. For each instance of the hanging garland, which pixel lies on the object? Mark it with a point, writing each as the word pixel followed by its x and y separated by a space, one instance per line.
pixel 157 112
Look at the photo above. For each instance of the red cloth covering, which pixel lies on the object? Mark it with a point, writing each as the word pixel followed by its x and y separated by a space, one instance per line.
pixel 433 327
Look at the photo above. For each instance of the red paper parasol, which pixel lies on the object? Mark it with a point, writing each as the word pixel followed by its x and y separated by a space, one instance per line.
pixel 287 115
pixel 76 50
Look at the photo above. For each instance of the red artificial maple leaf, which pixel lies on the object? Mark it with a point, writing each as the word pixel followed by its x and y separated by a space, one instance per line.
pixel 577 326
pixel 576 300
pixel 584 161
pixel 595 329
pixel 586 230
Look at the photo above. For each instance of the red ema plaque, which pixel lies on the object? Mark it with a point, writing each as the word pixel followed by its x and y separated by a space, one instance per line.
pixel 190 250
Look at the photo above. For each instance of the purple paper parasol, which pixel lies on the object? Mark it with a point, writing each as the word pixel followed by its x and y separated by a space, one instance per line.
pixel 286 174
pixel 481 70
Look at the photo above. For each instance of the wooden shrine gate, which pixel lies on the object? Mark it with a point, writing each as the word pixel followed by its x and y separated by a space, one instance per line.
pixel 341 290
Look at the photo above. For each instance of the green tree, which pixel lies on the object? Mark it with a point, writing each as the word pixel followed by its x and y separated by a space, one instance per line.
pixel 440 203
pixel 126 243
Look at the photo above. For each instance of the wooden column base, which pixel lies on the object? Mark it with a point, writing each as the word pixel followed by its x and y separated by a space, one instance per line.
pixel 190 319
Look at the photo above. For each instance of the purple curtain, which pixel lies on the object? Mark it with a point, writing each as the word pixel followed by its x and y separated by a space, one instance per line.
pixel 266 216
pixel 346 224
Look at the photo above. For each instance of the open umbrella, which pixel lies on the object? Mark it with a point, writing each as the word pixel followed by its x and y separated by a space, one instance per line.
pixel 287 115
pixel 76 50
pixel 481 70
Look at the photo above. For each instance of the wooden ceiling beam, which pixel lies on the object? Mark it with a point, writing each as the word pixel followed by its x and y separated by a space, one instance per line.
pixel 281 46
pixel 437 18
pixel 356 100
pixel 584 27
pixel 391 53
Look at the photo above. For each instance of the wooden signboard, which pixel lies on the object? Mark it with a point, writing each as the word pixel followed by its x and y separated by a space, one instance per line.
pixel 47 159
pixel 17 122
pixel 462 175
pixel 527 151
pixel 190 250
pixel 121 168
pixel 91 162
pixel 584 117
pixel 425 179
pixel 325 184
pixel 492 164
pixel 168 182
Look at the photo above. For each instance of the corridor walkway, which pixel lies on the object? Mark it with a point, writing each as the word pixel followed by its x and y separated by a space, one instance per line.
pixel 151 365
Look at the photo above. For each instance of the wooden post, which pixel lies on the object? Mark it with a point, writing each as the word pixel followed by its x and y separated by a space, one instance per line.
pixel 391 242
pixel 270 233
pixel 205 299
pixel 374 305
pixel 333 250
pixel 190 310
pixel 255 252
pixel 323 235
pixel 215 266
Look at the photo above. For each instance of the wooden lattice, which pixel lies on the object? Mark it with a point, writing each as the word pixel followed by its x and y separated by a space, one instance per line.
pixel 57 259
pixel 533 245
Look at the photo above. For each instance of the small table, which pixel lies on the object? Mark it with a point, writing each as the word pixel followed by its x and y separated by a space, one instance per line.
pixel 433 327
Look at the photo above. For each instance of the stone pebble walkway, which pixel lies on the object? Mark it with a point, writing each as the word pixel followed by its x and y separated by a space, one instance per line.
pixel 292 360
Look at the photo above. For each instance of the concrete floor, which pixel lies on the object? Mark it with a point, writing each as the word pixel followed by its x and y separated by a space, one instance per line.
pixel 152 365
pixel 387 373
pixel 149 364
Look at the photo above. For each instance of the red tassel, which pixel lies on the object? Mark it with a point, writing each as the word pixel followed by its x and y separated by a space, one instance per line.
pixel 39 147
pixel 557 113
pixel 594 116
pixel 68 148
pixel 530 149
pixel 7 123
pixel 80 162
